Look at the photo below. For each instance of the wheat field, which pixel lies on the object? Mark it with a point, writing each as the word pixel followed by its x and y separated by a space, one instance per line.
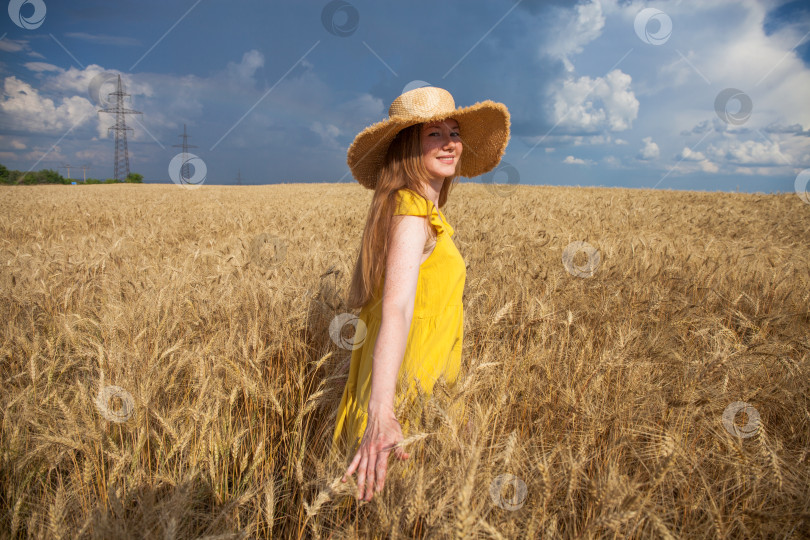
pixel 168 369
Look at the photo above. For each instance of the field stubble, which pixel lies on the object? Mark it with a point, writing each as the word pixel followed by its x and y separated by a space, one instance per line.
pixel 604 395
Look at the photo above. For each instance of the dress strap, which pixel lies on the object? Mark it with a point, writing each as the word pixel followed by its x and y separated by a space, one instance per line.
pixel 411 203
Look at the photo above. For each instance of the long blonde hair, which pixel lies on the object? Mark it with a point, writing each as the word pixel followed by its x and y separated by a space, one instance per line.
pixel 402 168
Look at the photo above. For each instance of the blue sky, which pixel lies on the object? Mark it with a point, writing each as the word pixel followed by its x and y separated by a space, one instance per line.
pixel 600 92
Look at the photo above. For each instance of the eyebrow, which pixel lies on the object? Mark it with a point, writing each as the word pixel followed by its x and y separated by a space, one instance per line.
pixel 431 126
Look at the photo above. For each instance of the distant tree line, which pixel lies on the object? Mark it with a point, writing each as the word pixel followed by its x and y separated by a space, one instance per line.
pixel 49 176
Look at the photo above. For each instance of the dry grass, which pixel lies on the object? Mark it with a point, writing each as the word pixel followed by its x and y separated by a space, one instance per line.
pixel 604 395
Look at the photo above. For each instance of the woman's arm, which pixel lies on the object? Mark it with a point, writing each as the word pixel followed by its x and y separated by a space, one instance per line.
pixel 407 237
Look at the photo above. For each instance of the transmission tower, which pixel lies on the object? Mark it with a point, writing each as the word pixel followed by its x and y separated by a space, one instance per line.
pixel 239 178
pixel 120 128
pixel 67 166
pixel 184 174
pixel 84 171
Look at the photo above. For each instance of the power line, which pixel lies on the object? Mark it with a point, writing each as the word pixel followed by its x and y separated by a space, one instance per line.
pixel 184 169
pixel 120 128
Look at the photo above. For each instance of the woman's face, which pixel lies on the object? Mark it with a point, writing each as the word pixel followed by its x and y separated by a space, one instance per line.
pixel 441 148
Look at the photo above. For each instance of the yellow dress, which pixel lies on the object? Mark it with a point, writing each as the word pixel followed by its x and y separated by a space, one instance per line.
pixel 434 341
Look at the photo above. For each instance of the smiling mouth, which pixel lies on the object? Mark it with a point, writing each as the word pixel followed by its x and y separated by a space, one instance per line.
pixel 447 159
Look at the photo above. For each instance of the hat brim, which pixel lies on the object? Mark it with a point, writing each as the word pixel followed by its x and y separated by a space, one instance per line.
pixel 484 129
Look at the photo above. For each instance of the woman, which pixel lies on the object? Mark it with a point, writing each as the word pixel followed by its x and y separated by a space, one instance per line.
pixel 413 319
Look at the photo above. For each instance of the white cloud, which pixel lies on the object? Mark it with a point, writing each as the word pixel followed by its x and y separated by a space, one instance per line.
pixel 733 51
pixel 688 155
pixel 13 45
pixel 574 30
pixel 18 45
pixel 359 112
pixel 28 110
pixel 61 98
pixel 42 66
pixel 591 105
pixel 611 161
pixel 754 171
pixel 78 80
pixel 176 98
pixel 576 140
pixel 715 45
pixel 708 166
pixel 328 133
pixel 95 155
pixel 688 158
pixel 104 39
pixel 54 155
pixel 649 151
pixel 571 160
pixel 244 71
pixel 580 140
pixel 749 152
pixel 17 145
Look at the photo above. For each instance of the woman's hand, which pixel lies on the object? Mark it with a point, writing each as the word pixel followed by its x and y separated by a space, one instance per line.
pixel 382 434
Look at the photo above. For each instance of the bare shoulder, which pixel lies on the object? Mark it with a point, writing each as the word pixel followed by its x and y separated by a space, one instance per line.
pixel 407 237
pixel 406 240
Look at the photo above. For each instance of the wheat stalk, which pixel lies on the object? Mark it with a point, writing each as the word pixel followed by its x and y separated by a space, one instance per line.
pixel 269 503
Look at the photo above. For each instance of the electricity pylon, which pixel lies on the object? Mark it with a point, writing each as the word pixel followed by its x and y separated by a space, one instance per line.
pixel 120 128
pixel 184 169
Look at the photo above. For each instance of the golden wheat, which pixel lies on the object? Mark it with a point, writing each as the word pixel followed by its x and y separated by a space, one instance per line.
pixel 211 309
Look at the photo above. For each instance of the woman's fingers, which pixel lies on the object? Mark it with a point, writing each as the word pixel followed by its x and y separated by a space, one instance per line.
pixel 352 467
pixel 370 473
pixel 381 469
pixel 399 452
pixel 361 475
pixel 371 460
pixel 372 469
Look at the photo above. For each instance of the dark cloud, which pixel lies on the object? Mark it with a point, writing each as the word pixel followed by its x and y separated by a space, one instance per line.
pixel 795 129
pixel 504 66
pixel 793 13
pixel 536 7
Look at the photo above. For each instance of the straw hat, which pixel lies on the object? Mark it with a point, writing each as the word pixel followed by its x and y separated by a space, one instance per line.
pixel 484 131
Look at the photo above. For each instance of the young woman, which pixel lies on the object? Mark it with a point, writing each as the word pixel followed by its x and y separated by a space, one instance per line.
pixel 409 277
